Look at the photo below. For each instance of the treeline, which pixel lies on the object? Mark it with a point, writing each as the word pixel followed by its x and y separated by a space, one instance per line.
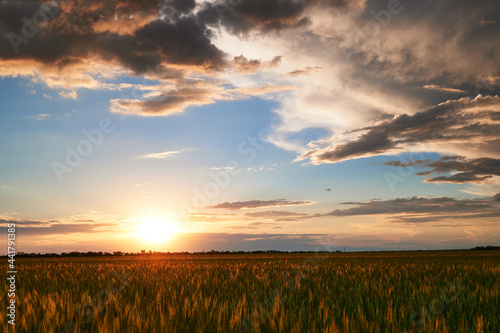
pixel 487 247
pixel 148 253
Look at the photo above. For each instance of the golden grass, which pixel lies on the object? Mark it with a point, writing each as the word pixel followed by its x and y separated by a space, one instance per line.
pixel 342 292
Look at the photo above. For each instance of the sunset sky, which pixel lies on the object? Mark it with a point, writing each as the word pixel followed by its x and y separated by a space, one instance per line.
pixel 188 125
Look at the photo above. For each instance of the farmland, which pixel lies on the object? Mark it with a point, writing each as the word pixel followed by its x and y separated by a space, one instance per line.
pixel 443 291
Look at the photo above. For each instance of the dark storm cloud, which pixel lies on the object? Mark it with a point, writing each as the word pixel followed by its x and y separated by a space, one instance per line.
pixel 243 16
pixel 125 31
pixel 164 40
pixel 182 6
pixel 137 34
pixel 338 3
pixel 185 41
pixel 465 120
pixel 237 205
pixel 131 32
pixel 469 170
pixel 422 209
pixel 261 15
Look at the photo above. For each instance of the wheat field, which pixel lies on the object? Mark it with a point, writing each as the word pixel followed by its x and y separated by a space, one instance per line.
pixel 454 291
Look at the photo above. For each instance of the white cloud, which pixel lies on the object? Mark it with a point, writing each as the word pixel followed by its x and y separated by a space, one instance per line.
pixel 69 94
pixel 161 155
pixel 41 116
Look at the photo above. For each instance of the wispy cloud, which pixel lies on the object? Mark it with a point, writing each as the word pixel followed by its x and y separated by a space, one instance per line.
pixel 41 116
pixel 237 205
pixel 486 22
pixel 440 88
pixel 277 216
pixel 304 71
pixel 40 227
pixel 161 155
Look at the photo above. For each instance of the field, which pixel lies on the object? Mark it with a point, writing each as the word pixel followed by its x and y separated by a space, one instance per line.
pixel 452 291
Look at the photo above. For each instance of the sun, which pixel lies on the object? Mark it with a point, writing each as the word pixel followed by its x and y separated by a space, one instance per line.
pixel 157 230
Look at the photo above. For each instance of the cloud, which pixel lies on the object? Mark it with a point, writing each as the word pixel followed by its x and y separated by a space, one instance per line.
pixel 162 102
pixel 277 216
pixel 69 94
pixel 47 96
pixel 458 178
pixel 261 168
pixel 484 22
pixel 241 65
pixel 262 90
pixel 208 218
pixel 161 155
pixel 225 168
pixel 368 73
pixel 39 227
pixel 248 241
pixel 79 31
pixel 270 218
pixel 466 170
pixel 4 221
pixel 265 16
pixel 41 116
pixel 422 209
pixel 305 71
pixel 260 15
pixel 237 205
pixel 368 76
pixel 439 88
pixel 255 225
pixel 81 46
pixel 170 100
pixel 462 121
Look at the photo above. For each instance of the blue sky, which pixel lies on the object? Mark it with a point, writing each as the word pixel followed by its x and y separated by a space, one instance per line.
pixel 253 125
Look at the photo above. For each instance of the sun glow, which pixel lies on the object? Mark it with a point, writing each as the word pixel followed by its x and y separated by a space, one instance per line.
pixel 155 229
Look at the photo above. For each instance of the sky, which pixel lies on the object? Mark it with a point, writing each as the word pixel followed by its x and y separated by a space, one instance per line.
pixel 192 125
